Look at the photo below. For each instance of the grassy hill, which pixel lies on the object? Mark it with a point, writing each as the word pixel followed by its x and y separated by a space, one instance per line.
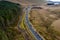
pixel 28 2
pixel 42 20
pixel 9 17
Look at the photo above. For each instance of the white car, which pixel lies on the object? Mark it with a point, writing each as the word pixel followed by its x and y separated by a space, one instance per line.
pixel 53 3
pixel 57 3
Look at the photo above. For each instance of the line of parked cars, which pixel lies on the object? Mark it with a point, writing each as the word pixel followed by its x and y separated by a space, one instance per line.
pixel 53 3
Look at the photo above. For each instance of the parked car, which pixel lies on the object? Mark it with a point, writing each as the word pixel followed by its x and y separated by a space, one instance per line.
pixel 50 3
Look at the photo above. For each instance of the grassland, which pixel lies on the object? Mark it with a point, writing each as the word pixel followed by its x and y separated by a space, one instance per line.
pixel 42 20
pixel 9 17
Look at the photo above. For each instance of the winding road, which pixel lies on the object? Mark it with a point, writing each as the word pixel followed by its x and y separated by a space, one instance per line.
pixel 36 35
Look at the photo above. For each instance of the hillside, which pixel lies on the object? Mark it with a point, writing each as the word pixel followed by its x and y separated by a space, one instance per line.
pixel 42 19
pixel 9 17
pixel 28 2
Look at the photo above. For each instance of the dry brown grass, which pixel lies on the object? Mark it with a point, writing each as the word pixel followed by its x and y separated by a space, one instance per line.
pixel 42 20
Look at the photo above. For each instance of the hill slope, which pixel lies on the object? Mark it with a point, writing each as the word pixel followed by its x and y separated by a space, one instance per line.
pixel 28 1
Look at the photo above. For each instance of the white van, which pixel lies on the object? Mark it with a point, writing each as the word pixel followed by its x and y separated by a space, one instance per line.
pixel 56 3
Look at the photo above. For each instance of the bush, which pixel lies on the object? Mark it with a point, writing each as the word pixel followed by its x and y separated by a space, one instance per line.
pixel 9 16
pixel 9 13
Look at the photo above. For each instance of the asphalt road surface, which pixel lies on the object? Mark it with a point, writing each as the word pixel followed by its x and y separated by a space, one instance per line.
pixel 36 35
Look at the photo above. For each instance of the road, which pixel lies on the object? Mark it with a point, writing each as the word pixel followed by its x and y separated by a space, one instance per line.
pixel 36 35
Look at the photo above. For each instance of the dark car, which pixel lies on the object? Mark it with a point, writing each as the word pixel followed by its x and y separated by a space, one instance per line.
pixel 50 3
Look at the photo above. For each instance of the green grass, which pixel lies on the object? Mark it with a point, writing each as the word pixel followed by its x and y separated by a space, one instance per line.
pixel 9 17
pixel 9 12
pixel 3 35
